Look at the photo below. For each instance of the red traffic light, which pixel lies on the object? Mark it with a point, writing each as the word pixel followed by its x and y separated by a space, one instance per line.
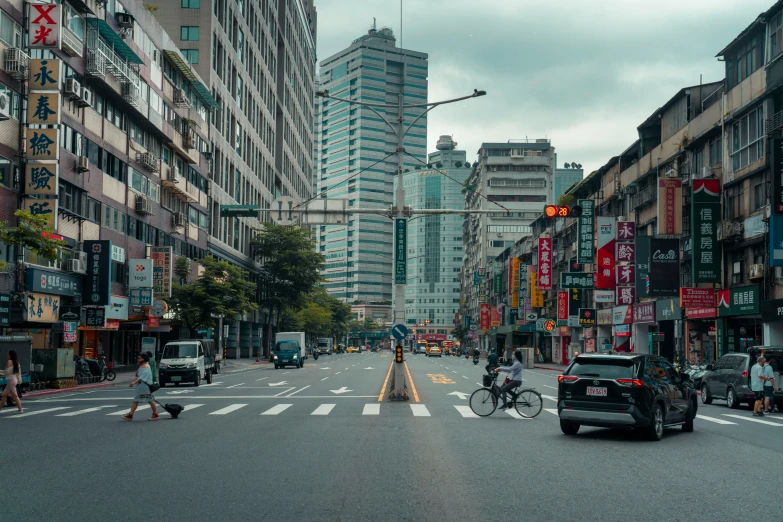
pixel 551 211
pixel 564 211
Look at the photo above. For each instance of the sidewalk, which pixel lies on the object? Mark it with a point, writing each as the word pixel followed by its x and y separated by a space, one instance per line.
pixel 125 375
pixel 551 366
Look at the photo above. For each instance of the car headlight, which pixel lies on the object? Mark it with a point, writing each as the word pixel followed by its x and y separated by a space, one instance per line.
pixel 275 357
pixel 191 365
pixel 295 356
pixel 163 366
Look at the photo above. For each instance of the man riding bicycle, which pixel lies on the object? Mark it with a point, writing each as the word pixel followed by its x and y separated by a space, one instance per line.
pixel 515 378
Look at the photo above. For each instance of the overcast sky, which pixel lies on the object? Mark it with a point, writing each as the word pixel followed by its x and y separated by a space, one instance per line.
pixel 582 73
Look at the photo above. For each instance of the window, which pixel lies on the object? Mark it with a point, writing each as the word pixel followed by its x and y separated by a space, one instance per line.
pixel 93 210
pixel 747 59
pixel 70 198
pixel 188 33
pixel 698 161
pixel 716 151
pixel 191 4
pixel 74 22
pixel 191 55
pixel 143 185
pixel 10 31
pixel 775 35
pixel 760 189
pixel 747 137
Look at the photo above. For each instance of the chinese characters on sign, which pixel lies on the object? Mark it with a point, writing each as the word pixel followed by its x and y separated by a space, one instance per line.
pixel 140 296
pixel 484 317
pixel 587 316
pixel 523 269
pixel 669 206
pixel 562 308
pixel 644 313
pixel 738 301
pixel 43 207
pixel 97 284
pixel 400 255
pixel 626 275
pixel 545 263
pixel 95 317
pixel 604 273
pixel 576 280
pixel 514 279
pixel 44 108
pixel 705 217
pixel 697 297
pixel 495 317
pixel 43 25
pixel 41 144
pixel 586 232
pixel 626 231
pixel 161 275
pixel 626 252
pixel 536 295
pixel 45 75
pixel 41 178
pixel 626 295
pixel 43 308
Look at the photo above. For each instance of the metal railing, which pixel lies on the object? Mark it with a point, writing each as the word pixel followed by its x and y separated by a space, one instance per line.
pixel 101 59
pixel 643 197
pixel 775 122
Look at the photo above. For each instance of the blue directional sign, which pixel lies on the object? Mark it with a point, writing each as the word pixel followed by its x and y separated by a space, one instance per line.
pixel 399 331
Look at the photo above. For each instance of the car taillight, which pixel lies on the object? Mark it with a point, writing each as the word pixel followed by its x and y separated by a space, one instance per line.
pixel 744 373
pixel 567 378
pixel 628 382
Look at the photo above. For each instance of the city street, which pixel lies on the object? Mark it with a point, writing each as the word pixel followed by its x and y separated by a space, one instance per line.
pixel 316 444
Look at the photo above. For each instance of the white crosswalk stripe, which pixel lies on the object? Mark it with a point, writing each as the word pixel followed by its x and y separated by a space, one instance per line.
pixel 751 419
pixel 420 410
pixel 37 412
pixel 466 412
pixel 228 409
pixel 276 410
pixel 372 409
pixel 323 409
pixel 141 407
pixel 553 411
pixel 714 419
pixel 81 412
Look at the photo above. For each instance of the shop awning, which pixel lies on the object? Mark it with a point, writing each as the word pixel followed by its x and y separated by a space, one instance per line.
pixel 114 40
pixel 184 69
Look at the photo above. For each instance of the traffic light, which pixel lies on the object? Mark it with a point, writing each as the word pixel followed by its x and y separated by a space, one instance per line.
pixel 398 354
pixel 555 211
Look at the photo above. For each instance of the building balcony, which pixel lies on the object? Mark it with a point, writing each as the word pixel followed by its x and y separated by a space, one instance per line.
pixel 643 197
pixel 115 58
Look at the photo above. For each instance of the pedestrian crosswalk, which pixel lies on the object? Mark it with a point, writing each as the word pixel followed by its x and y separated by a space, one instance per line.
pixel 312 409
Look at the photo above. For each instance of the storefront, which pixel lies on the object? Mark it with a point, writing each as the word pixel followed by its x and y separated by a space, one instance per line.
pixel 59 293
pixel 740 324
pixel 622 319
pixel 643 325
pixel 604 340
pixel 668 315
pixel 772 317
pixel 700 347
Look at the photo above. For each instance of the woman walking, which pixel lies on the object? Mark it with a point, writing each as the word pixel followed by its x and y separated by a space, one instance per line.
pixel 13 376
pixel 143 394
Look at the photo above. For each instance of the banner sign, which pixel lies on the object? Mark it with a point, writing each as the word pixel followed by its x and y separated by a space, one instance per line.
pixel 95 317
pixel 622 315
pixel 626 295
pixel 5 309
pixel 118 308
pixel 498 283
pixel 586 232
pixel 576 280
pixel 45 74
pixel 44 108
pixel 603 296
pixel 664 271
pixel 41 178
pixel 604 274
pixel 697 297
pixel 574 266
pixel 140 296
pixel 776 194
pixel 738 301
pixel 702 313
pixel 536 296
pixel 523 271
pixel 44 26
pixel 47 208
pixel 626 252
pixel 484 317
pixel 644 313
pixel 669 220
pixel 667 310
pixel 38 280
pixel 587 317
pixel 545 263
pixel 69 331
pixel 604 316
pixel 574 302
pixel 562 308
pixel 626 275
pixel 141 273
pixel 626 231
pixel 494 320
pixel 400 251
pixel 771 310
pixel 43 308
pixel 642 263
pixel 161 275
pixel 705 219
pixel 514 279
pixel 476 278
pixel 97 283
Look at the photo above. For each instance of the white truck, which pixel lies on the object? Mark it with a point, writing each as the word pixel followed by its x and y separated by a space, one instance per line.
pixel 289 349
pixel 325 345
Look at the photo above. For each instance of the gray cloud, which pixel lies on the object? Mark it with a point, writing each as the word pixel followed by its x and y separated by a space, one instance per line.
pixel 584 74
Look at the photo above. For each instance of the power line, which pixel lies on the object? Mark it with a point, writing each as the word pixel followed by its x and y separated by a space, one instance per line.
pixel 457 182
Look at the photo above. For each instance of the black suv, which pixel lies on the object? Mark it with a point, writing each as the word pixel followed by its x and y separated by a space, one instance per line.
pixel 624 390
pixel 729 377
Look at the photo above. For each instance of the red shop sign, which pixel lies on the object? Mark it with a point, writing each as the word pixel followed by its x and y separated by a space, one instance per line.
pixel 702 313
pixel 484 317
pixel 562 306
pixel 697 297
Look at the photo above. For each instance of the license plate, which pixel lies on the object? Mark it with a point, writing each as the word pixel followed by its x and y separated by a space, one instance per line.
pixel 176 379
pixel 598 392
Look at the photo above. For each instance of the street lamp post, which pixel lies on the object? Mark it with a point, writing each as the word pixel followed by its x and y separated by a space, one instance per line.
pixel 399 211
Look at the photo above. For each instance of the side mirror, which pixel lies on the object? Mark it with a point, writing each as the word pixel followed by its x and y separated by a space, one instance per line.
pixel 710 368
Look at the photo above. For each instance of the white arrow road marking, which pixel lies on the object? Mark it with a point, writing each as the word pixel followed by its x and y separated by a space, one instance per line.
pixel 371 409
pixel 28 414
pixel 179 392
pixel 281 383
pixel 323 409
pixel 88 410
pixel 466 412
pixel 461 395
pixel 341 390
pixel 369 368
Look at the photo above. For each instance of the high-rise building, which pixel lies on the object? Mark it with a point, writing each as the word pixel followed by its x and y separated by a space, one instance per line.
pixel 515 179
pixel 258 61
pixel 435 251
pixel 564 177
pixel 356 160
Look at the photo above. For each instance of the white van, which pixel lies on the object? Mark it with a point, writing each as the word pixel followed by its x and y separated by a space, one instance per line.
pixel 186 361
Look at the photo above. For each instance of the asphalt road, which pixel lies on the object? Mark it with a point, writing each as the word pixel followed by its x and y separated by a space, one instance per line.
pixel 316 444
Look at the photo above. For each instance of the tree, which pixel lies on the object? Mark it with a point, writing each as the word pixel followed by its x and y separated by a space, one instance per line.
pixel 339 312
pixel 291 267
pixel 31 233
pixel 460 333
pixel 221 290
pixel 315 319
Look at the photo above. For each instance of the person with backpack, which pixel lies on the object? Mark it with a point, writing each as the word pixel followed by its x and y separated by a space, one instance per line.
pixel 142 383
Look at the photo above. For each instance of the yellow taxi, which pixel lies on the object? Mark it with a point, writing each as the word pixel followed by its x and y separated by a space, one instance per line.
pixel 433 350
pixel 352 349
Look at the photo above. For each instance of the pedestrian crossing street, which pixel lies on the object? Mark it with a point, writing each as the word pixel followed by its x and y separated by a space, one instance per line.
pixel 375 409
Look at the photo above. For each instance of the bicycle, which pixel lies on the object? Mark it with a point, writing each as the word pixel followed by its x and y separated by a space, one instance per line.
pixel 107 374
pixel 484 401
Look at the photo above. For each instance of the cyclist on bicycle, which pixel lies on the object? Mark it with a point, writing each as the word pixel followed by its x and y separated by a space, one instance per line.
pixel 492 361
pixel 516 377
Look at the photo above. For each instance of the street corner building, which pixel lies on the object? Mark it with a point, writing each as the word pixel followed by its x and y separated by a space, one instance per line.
pixel 145 139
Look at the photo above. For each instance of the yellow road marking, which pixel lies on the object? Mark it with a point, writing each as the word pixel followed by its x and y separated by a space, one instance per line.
pixel 439 378
pixel 383 389
pixel 410 379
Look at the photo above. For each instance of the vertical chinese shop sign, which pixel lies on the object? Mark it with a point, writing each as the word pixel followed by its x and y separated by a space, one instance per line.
pixel 545 263
pixel 705 217
pixel 586 231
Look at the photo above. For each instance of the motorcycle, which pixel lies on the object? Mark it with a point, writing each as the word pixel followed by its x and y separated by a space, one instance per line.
pixel 475 359
pixel 315 354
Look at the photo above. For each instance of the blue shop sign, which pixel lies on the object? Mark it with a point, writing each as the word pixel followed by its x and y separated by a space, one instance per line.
pixel 57 283
pixel 776 240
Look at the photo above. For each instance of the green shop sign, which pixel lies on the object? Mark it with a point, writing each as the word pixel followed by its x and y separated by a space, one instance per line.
pixel 400 247
pixel 705 216
pixel 743 300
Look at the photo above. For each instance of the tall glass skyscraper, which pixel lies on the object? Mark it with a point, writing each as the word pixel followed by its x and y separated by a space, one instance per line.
pixel 435 252
pixel 350 140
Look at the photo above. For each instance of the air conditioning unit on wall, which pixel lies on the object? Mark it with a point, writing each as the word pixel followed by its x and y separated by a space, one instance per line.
pixel 757 271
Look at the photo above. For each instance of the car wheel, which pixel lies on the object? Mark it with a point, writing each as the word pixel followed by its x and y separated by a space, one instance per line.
pixel 277 367
pixel 655 429
pixel 209 377
pixel 217 368
pixel 569 428
pixel 731 399
pixel 706 398
pixel 197 380
pixel 689 416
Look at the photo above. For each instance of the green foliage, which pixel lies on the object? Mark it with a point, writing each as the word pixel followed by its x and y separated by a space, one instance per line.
pixel 31 233
pixel 315 319
pixel 566 199
pixel 182 269
pixel 222 289
pixel 460 333
pixel 355 326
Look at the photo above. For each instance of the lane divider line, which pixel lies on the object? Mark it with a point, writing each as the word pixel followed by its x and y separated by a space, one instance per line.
pixel 385 382
pixel 410 379
pixel 297 391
